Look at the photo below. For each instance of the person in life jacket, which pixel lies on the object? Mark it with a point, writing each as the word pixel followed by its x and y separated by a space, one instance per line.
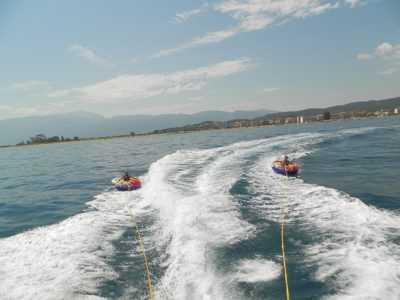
pixel 126 176
pixel 285 161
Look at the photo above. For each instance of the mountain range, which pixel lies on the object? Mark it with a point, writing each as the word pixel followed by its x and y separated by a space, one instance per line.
pixel 85 124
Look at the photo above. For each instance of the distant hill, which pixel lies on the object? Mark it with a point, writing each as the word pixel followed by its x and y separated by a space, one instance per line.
pixel 86 124
pixel 369 106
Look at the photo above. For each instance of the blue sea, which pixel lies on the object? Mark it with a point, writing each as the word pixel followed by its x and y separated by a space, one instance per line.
pixel 209 213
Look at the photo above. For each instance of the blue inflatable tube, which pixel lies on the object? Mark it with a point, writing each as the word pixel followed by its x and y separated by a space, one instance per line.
pixel 133 184
pixel 289 169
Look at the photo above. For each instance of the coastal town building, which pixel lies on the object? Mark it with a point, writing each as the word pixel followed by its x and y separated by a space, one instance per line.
pixel 300 119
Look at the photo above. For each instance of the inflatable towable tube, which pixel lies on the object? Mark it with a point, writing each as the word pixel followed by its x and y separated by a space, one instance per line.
pixel 133 184
pixel 290 169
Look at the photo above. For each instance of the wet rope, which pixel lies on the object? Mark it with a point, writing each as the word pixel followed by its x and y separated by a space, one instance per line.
pixel 148 273
pixel 149 281
pixel 283 244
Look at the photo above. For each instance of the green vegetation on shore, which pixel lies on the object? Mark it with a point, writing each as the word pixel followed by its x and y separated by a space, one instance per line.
pixel 42 139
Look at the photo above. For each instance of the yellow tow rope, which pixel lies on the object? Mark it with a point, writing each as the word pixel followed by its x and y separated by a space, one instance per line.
pixel 283 246
pixel 149 281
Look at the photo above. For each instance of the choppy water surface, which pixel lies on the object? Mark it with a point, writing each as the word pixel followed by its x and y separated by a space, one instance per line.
pixel 209 213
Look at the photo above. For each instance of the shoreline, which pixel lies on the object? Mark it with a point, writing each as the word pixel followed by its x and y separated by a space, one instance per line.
pixel 103 138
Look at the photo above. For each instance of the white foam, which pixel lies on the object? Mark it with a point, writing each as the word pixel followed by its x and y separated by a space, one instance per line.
pixel 256 270
pixel 197 214
pixel 190 189
pixel 67 260
pixel 358 249
pixel 354 249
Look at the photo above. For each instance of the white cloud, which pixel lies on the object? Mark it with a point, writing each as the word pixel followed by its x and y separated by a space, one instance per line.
pixel 384 51
pixel 389 71
pixel 56 94
pixel 243 10
pixel 251 15
pixel 27 85
pixel 132 87
pixel 187 15
pixel 212 37
pixel 187 107
pixel 5 108
pixel 209 38
pixel 243 105
pixel 27 111
pixel 353 3
pixel 89 55
pixel 177 89
pixel 387 52
pixel 195 98
pixel 255 22
pixel 15 111
pixel 271 89
pixel 364 56
pixel 58 104
pixel 23 111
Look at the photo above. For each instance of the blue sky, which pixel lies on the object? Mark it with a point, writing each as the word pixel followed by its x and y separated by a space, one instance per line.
pixel 153 57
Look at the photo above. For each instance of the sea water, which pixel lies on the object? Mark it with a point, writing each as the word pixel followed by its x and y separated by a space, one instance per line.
pixel 209 213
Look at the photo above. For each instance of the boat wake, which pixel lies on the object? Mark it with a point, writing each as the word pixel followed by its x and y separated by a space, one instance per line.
pixel 210 222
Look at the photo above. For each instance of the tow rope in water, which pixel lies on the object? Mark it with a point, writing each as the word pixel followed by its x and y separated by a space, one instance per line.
pixel 283 204
pixel 149 282
pixel 148 273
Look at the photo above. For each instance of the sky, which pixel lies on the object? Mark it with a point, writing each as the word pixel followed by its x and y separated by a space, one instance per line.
pixel 153 57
